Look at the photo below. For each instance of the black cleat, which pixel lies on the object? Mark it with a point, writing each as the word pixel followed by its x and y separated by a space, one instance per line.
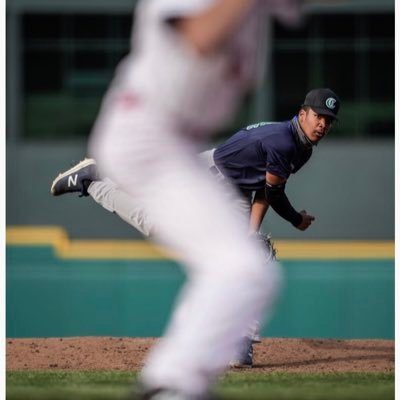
pixel 76 179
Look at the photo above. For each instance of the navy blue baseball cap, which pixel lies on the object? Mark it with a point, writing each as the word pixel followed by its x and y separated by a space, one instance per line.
pixel 323 101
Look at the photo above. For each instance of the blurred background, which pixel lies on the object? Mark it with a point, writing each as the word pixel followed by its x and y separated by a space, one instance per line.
pixel 61 55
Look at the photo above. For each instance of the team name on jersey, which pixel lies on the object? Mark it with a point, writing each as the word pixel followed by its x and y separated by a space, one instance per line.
pixel 257 125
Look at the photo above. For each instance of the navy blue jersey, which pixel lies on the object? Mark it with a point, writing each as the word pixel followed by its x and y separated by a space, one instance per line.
pixel 265 147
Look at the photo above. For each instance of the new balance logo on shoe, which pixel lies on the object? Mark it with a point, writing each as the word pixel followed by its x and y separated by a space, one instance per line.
pixel 72 180
pixel 76 179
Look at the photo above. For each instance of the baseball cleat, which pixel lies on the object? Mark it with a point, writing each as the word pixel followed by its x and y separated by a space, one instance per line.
pixel 256 339
pixel 244 358
pixel 76 179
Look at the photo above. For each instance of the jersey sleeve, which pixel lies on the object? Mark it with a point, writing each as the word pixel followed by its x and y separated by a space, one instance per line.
pixel 279 159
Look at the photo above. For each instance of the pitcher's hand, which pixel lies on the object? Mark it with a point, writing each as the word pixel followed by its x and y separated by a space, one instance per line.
pixel 306 222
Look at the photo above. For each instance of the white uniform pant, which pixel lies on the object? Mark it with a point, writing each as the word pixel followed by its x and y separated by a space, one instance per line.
pixel 228 282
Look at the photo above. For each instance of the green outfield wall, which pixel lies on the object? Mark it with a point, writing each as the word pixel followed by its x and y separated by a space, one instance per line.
pixel 52 297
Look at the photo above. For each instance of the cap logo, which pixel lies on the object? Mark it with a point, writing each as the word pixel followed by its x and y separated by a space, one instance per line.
pixel 330 103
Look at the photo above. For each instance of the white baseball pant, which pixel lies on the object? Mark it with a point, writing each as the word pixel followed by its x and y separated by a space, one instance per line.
pixel 228 284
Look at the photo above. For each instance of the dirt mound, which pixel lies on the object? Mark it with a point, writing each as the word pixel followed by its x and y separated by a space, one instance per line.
pixel 288 355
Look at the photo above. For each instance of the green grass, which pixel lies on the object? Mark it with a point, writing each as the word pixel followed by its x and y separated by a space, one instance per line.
pixel 286 386
pixel 113 385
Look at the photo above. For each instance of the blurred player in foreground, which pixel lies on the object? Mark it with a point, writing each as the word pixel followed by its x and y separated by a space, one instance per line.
pixel 191 62
pixel 256 161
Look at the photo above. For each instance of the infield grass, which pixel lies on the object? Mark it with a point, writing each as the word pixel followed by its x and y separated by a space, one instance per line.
pixel 116 385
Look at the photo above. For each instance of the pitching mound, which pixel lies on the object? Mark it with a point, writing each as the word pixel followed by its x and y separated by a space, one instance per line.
pixel 286 355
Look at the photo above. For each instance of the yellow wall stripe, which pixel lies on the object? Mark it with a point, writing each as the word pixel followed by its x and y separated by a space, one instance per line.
pixel 139 249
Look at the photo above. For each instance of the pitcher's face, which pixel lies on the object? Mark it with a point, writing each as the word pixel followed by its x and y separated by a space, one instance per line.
pixel 314 125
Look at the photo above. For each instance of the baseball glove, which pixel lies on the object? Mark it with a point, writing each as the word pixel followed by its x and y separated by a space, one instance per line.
pixel 268 245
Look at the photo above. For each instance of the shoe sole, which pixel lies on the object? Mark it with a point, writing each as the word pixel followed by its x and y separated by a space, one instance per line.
pixel 84 163
pixel 238 364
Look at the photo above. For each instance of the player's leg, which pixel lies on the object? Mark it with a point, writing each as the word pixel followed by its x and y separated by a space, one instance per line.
pixel 112 198
pixel 244 355
pixel 242 203
pixel 84 178
pixel 228 282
